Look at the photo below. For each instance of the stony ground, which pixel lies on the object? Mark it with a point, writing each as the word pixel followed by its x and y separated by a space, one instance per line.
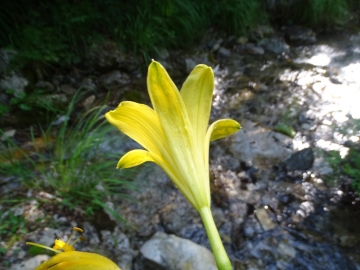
pixel 271 203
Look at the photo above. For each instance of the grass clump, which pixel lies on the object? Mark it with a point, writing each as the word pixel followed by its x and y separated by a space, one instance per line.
pixel 315 13
pixel 11 224
pixel 61 32
pixel 347 168
pixel 238 16
pixel 75 162
pixel 322 12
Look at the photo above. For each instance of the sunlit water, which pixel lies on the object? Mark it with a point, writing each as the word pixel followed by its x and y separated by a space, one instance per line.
pixel 321 83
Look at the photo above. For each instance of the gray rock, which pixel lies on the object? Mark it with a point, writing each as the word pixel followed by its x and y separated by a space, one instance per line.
pixel 252 49
pixel 14 82
pixel 190 64
pixel 223 52
pixel 30 264
pixel 275 45
pixel 87 84
pixel 259 147
pixel 164 251
pixel 178 214
pixel 119 245
pixel 226 189
pixel 299 161
pixel 114 77
pixel 67 89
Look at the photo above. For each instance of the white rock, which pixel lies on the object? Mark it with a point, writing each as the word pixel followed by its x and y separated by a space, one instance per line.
pixel 172 252
pixel 31 263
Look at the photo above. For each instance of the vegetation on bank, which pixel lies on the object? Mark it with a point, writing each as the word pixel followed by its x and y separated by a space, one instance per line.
pixel 61 32
pixel 72 161
pixel 346 168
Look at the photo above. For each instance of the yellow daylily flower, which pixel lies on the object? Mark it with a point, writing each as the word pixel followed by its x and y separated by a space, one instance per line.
pixel 175 133
pixel 69 259
pixel 176 136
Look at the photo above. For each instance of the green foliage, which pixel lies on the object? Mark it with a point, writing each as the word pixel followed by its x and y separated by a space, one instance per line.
pixel 316 13
pixel 11 224
pixel 238 16
pixel 285 129
pixel 71 162
pixel 322 12
pixel 27 102
pixel 61 31
pixel 348 167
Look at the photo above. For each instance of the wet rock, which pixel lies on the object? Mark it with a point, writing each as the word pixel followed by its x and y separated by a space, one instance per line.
pixel 259 147
pixel 226 189
pixel 177 215
pixel 196 233
pixel 164 251
pixel 279 249
pixel 238 211
pixel 269 200
pixel 118 246
pixel 265 221
pixel 302 160
pixel 275 45
pixel 300 35
pixel 251 227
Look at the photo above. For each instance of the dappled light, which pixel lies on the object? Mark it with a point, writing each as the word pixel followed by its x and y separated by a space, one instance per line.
pixel 236 147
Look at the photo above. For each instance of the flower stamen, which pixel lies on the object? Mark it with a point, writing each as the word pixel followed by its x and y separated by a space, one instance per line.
pixel 60 245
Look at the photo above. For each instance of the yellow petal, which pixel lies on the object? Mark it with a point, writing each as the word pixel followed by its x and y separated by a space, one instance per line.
pixel 217 130
pixel 77 260
pixel 134 158
pixel 180 137
pixel 197 93
pixel 139 122
pixel 222 128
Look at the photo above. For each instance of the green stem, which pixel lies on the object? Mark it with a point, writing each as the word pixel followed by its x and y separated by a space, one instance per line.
pixel 221 258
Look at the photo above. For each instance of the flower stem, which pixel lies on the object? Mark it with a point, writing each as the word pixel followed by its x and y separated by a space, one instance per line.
pixel 221 258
